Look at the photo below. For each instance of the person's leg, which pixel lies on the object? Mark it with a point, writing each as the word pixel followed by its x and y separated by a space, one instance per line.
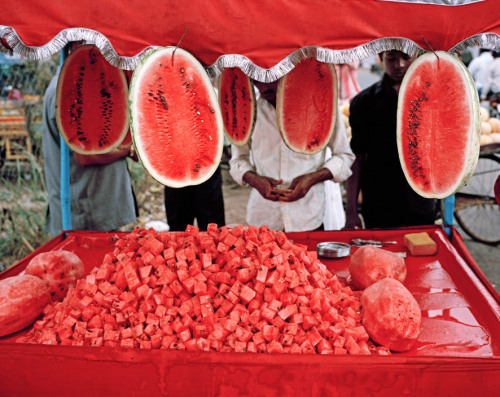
pixel 179 206
pixel 209 202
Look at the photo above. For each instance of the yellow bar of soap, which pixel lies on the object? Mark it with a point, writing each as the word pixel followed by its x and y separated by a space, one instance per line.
pixel 420 244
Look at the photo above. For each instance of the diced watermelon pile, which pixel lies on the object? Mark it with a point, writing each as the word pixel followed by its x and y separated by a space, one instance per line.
pixel 228 289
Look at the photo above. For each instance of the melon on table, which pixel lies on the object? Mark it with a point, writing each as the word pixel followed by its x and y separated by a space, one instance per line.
pixel 22 300
pixel 485 114
pixel 175 118
pixel 438 125
pixel 237 104
pixel 391 315
pixel 486 128
pixel 494 124
pixel 306 106
pixel 59 269
pixel 91 102
pixel 369 264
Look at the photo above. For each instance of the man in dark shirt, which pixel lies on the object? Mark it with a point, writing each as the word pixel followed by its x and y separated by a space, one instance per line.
pixel 387 199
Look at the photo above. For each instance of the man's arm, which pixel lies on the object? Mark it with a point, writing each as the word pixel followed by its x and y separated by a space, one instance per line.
pixel 353 188
pixel 302 184
pixel 106 158
pixel 264 185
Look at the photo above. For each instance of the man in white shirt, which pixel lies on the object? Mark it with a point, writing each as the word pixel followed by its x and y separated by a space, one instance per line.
pixel 492 81
pixel 288 190
pixel 478 68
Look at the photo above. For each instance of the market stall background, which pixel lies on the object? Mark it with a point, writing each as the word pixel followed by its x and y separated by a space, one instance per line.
pixel 266 40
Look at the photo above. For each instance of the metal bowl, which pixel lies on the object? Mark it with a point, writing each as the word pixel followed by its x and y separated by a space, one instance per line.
pixel 332 249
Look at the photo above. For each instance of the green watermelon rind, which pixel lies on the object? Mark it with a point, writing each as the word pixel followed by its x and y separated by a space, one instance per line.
pixel 472 154
pixel 280 117
pixel 134 90
pixel 60 95
pixel 253 115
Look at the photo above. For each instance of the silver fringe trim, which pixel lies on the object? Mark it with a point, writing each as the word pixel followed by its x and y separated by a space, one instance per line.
pixel 490 40
pixel 486 40
pixel 438 2
pixel 66 36
pixel 321 54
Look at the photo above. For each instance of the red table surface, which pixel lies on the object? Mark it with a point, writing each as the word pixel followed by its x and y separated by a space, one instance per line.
pixel 457 352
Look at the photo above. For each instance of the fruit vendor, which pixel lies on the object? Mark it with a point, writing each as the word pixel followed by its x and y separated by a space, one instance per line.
pixel 101 191
pixel 387 198
pixel 288 190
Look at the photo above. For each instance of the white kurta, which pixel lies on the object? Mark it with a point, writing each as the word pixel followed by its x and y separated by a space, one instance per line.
pixel 267 155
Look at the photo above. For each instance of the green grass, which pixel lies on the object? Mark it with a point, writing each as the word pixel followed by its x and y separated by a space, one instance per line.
pixel 23 206
pixel 23 203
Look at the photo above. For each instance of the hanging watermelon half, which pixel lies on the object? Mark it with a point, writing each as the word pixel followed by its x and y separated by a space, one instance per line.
pixel 237 104
pixel 175 118
pixel 91 102
pixel 438 125
pixel 306 106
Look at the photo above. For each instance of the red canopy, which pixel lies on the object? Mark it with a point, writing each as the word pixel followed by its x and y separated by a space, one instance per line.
pixel 264 38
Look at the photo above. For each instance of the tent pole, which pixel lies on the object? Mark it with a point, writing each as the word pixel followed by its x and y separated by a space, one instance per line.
pixel 65 177
pixel 448 211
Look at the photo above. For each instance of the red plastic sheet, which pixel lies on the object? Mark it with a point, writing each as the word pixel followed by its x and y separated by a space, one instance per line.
pixel 458 351
pixel 264 31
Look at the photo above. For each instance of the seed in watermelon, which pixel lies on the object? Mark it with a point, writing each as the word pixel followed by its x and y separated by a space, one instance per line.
pixel 391 315
pixel 306 106
pixel 91 102
pixel 175 118
pixel 22 299
pixel 368 264
pixel 438 125
pixel 237 104
pixel 59 269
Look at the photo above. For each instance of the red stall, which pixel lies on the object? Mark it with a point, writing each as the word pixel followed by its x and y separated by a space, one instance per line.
pixel 458 350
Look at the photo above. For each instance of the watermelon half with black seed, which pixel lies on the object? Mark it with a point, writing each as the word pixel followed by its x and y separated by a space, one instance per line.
pixel 237 103
pixel 306 106
pixel 91 102
pixel 175 118
pixel 438 125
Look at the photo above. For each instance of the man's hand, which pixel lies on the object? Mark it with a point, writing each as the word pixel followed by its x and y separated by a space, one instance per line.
pixel 353 221
pixel 264 185
pixel 302 184
pixel 298 188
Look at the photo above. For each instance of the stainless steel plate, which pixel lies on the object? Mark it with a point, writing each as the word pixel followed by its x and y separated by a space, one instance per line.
pixel 332 249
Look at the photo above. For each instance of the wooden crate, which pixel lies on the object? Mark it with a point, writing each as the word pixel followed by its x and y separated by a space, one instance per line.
pixel 13 134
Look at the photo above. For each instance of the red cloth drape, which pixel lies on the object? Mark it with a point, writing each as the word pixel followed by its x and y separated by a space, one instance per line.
pixel 264 31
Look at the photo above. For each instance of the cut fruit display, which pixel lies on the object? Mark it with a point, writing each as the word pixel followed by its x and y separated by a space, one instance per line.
pixel 438 125
pixel 91 102
pixel 237 104
pixel 175 118
pixel 306 106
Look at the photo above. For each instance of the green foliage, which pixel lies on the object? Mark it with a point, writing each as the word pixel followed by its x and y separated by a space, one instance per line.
pixel 23 202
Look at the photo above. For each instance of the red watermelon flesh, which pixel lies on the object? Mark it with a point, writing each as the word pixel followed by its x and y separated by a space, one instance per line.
pixel 370 264
pixel 22 299
pixel 438 125
pixel 237 103
pixel 58 269
pixel 176 121
pixel 127 141
pixel 391 315
pixel 306 106
pixel 91 102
